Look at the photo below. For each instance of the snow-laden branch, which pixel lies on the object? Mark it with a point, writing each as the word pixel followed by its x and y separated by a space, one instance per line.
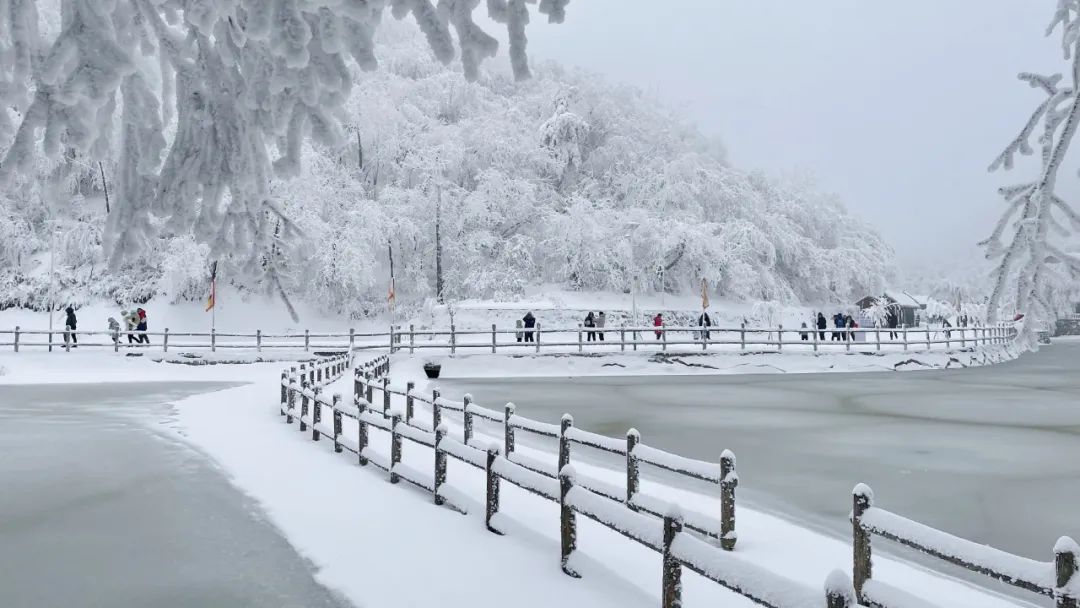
pixel 245 81
pixel 1030 262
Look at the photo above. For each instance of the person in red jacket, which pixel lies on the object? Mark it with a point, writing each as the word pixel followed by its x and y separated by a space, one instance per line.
pixel 658 321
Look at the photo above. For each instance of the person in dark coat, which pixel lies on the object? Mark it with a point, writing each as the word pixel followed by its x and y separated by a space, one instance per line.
pixel 705 322
pixel 143 339
pixel 838 322
pixel 805 336
pixel 590 325
pixel 821 325
pixel 530 323
pixel 69 327
pixel 892 319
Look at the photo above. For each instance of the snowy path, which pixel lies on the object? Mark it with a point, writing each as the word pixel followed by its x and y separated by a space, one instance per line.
pixel 100 508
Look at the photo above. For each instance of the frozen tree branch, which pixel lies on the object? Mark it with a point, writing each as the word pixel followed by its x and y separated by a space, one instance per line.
pixel 246 81
pixel 1029 260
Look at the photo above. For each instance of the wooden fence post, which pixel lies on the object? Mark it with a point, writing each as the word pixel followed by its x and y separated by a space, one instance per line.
pixel 311 373
pixel 494 340
pixel 779 338
pixel 453 339
pixel 284 391
pixel 904 327
pixel 316 414
pixel 742 337
pixel 361 433
pixel 307 340
pixel 213 340
pixel 838 591
pixel 318 373
pixel 729 480
pixel 303 406
pixel 1065 551
pixel 436 409
pixel 395 447
pixel 567 521
pixel 358 386
pixel 963 337
pixel 877 337
pixel 467 419
pixel 815 332
pixel 928 336
pixel 337 423
pixel 492 502
pixel 663 336
pixel 369 388
pixel 386 396
pixel 391 351
pixel 292 395
pixel 352 339
pixel 164 342
pixel 671 593
pixel 564 444
pixel 409 405
pixel 580 346
pixel 16 338
pixel 412 340
pixel 440 463
pixel 622 338
pixel 862 499
pixel 632 479
pixel 508 430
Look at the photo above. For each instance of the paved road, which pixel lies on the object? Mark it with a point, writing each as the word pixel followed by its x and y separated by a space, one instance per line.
pixel 100 510
pixel 992 454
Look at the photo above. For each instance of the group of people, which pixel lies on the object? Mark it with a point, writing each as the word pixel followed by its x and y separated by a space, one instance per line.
pixel 134 320
pixel 528 323
pixel 592 323
pixel 845 323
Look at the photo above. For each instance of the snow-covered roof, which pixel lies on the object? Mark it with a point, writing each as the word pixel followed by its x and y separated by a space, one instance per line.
pixel 904 298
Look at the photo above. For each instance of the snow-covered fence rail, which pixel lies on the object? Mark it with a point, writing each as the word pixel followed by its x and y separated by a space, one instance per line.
pixel 664 337
pixel 20 339
pixel 535 339
pixel 666 536
pixel 1057 579
pixel 634 453
pixel 306 384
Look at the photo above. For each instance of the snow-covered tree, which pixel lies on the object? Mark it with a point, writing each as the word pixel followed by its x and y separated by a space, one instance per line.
pixel 214 98
pixel 1032 265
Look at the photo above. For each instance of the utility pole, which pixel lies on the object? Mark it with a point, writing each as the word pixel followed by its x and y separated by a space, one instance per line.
pixel 438 248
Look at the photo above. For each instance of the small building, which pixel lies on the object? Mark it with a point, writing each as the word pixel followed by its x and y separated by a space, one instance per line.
pixel 909 308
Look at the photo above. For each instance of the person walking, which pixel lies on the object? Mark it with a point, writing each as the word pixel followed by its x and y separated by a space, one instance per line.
pixel 601 321
pixel 851 325
pixel 140 315
pixel 821 325
pixel 69 328
pixel 517 334
pixel 590 326
pixel 838 322
pixel 530 323
pixel 131 321
pixel 892 320
pixel 114 331
pixel 658 321
pixel 704 322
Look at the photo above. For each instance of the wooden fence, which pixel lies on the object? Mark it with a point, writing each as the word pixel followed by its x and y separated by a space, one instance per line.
pixel 683 541
pixel 536 339
pixel 1056 579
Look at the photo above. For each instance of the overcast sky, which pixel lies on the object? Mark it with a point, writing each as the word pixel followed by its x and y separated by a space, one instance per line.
pixel 899 107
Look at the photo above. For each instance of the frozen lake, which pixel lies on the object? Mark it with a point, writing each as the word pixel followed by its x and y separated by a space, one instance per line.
pixel 101 509
pixel 991 454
